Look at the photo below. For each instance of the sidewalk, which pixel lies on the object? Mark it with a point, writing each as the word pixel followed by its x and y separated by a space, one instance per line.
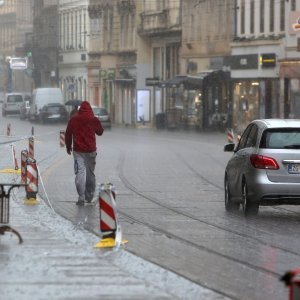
pixel 57 261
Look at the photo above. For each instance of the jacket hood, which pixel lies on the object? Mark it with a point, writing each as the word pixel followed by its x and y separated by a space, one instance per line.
pixel 85 108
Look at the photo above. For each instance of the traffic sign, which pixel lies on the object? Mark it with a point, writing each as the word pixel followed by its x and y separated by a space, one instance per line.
pixel 18 63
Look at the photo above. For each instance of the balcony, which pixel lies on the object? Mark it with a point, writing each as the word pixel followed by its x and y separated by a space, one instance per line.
pixel 158 22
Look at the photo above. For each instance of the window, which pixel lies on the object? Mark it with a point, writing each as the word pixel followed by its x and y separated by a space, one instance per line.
pixel 243 17
pixel 285 138
pixel 243 141
pixel 293 5
pixel 282 15
pixel 252 16
pixel 272 8
pixel 252 137
pixel 262 16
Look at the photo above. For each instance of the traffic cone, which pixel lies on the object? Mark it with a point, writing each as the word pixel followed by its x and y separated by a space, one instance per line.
pixel 32 182
pixel 109 223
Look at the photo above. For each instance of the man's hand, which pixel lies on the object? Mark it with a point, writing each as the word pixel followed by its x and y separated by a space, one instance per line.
pixel 69 151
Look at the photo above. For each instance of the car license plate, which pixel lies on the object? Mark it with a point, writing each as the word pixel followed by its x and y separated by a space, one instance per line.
pixel 294 168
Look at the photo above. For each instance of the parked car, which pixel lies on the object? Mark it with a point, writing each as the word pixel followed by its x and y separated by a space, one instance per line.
pixel 25 106
pixel 42 97
pixel 102 114
pixel 12 103
pixel 265 166
pixel 53 112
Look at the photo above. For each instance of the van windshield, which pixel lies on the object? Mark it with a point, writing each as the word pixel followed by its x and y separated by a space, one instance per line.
pixel 14 99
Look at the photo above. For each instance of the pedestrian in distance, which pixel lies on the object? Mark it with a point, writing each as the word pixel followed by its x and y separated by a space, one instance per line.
pixel 80 139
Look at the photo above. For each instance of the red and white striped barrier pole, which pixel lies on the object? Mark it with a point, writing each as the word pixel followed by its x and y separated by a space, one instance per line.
pixel 24 157
pixel 110 226
pixel 14 157
pixel 32 181
pixel 31 147
pixel 230 135
pixel 62 142
pixel 8 129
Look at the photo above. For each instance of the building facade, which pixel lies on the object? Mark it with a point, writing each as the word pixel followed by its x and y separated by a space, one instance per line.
pixel 44 44
pixel 16 22
pixel 74 34
pixel 256 50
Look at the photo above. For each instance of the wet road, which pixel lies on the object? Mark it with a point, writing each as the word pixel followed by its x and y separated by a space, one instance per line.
pixel 170 197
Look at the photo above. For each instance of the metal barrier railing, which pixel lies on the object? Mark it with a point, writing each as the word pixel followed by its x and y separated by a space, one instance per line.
pixel 4 209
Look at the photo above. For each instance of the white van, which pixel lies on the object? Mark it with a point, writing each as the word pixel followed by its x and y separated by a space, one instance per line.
pixel 13 102
pixel 42 97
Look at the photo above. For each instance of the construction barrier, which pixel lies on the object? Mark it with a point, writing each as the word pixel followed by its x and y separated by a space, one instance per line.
pixel 109 223
pixel 292 280
pixel 31 147
pixel 8 129
pixel 15 161
pixel 230 135
pixel 24 157
pixel 62 139
pixel 32 181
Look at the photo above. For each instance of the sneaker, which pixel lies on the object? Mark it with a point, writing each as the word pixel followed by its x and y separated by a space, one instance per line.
pixel 80 202
pixel 90 202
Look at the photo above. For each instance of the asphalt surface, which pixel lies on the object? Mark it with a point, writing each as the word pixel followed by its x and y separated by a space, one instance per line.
pixel 57 259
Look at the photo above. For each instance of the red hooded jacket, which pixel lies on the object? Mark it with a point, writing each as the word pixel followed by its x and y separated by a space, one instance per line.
pixel 81 130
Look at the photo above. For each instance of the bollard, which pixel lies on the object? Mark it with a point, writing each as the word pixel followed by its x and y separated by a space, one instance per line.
pixel 62 139
pixel 292 280
pixel 31 147
pixel 32 181
pixel 24 157
pixel 109 223
pixel 14 157
pixel 8 129
pixel 32 131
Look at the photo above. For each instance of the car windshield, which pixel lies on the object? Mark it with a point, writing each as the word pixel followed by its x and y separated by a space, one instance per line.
pixel 14 99
pixel 99 111
pixel 53 109
pixel 283 138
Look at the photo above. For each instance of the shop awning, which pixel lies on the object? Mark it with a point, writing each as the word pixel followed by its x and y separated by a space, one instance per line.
pixel 173 82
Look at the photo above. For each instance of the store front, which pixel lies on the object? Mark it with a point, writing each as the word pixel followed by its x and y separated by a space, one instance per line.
pixel 290 91
pixel 254 99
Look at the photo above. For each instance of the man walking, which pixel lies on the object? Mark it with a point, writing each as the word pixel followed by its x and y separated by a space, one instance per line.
pixel 80 138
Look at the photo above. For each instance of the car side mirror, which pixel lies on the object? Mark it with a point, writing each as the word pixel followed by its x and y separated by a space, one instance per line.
pixel 229 147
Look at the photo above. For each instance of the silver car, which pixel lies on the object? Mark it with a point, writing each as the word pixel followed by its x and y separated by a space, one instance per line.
pixel 265 166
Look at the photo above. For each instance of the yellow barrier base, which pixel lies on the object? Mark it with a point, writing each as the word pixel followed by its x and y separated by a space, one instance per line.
pixel 31 201
pixel 108 243
pixel 11 171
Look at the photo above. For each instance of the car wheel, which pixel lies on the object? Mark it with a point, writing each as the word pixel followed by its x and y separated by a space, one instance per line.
pixel 229 204
pixel 249 208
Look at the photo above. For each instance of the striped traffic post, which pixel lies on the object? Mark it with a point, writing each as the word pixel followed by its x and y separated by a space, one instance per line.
pixel 14 158
pixel 24 157
pixel 110 226
pixel 230 135
pixel 31 147
pixel 8 129
pixel 32 181
pixel 62 139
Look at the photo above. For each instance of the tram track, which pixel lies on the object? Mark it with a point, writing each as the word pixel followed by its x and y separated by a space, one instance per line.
pixel 131 187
